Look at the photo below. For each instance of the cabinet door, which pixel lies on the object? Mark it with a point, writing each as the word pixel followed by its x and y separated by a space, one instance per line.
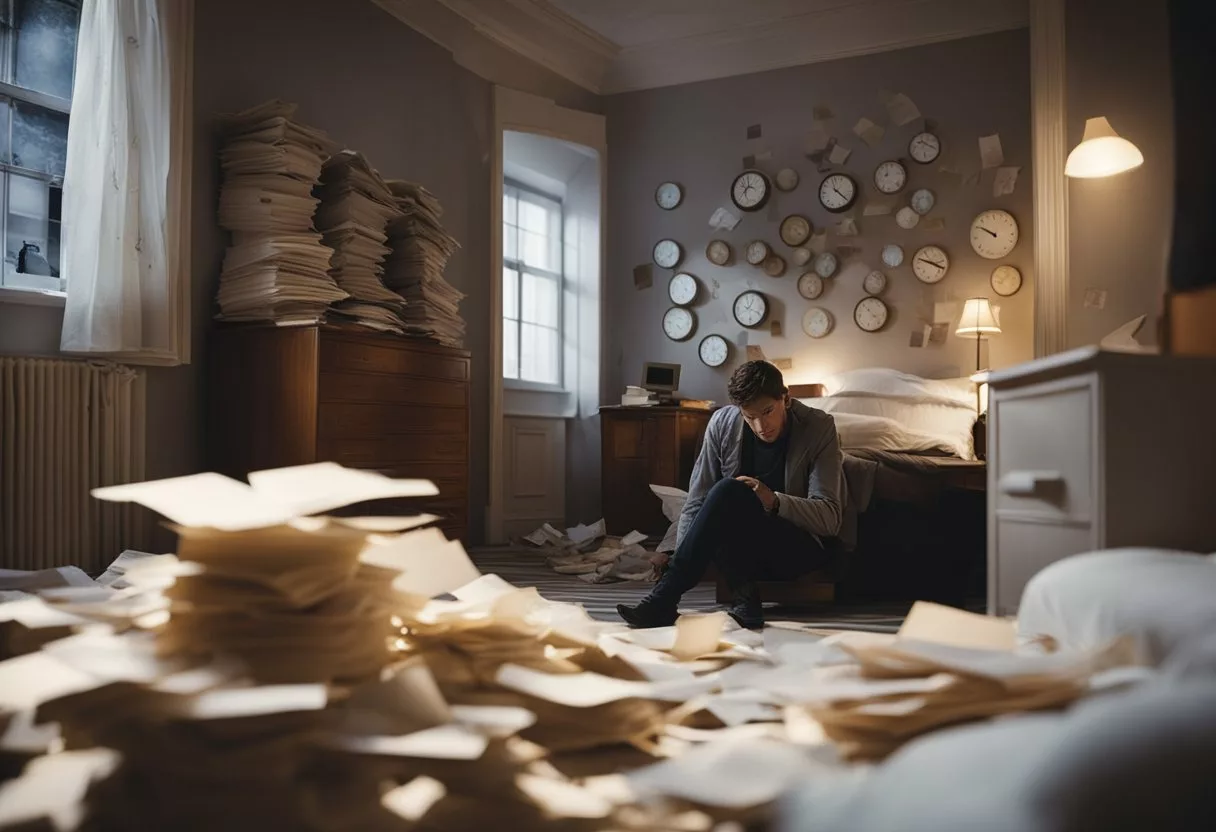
pixel 639 449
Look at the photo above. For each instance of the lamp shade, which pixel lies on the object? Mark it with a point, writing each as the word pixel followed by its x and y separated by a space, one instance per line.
pixel 1102 152
pixel 977 319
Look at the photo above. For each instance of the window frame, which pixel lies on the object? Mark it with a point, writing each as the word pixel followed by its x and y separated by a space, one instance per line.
pixel 520 268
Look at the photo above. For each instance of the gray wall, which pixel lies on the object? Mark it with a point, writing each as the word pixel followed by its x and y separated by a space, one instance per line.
pixel 696 134
pixel 1119 228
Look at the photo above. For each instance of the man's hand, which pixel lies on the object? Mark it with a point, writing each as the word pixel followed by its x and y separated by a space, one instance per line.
pixel 766 495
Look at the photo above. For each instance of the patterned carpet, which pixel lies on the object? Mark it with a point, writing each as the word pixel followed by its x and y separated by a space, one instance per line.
pixel 527 568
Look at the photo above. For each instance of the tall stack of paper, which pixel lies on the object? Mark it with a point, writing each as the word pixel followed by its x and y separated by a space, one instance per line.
pixel 420 252
pixel 356 205
pixel 276 268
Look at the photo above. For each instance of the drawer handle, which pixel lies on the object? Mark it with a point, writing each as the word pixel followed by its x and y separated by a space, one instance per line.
pixel 1030 483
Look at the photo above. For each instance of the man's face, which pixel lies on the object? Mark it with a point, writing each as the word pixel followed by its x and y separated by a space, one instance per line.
pixel 766 417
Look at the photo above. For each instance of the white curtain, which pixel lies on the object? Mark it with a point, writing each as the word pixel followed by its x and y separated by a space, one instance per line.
pixel 115 190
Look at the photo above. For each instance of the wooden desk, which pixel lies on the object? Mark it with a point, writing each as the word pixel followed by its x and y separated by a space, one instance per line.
pixel 642 446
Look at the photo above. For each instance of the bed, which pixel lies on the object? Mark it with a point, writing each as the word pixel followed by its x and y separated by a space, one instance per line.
pixel 915 516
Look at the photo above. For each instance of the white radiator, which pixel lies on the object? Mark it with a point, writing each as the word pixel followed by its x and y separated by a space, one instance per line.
pixel 67 427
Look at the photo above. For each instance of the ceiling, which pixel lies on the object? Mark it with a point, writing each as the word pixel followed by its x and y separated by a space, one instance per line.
pixel 612 46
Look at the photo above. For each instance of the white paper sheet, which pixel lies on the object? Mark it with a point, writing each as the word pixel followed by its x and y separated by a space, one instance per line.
pixel 54 787
pixel 991 154
pixel 724 218
pixel 698 634
pixel 257 701
pixel 445 742
pixel 1005 182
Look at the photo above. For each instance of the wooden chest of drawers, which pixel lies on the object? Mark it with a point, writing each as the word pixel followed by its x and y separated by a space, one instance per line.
pixel 282 396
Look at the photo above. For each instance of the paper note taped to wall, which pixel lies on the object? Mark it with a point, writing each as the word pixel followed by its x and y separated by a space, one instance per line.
pixel 933 224
pixel 643 276
pixel 901 109
pixel 817 140
pixel 847 227
pixel 822 112
pixel 839 154
pixel 877 209
pixel 754 353
pixel 783 363
pixel 938 333
pixel 944 312
pixel 724 218
pixel 917 339
pixel 774 328
pixel 991 155
pixel 1095 298
pixel 868 131
pixel 819 242
pixel 1006 180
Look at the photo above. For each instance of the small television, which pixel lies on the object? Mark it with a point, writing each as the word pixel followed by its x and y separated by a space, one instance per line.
pixel 661 378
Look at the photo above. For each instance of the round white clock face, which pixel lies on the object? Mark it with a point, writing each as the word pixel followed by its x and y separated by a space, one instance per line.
pixel 874 283
pixel 750 308
pixel 810 285
pixel 713 350
pixel 930 264
pixel 994 234
pixel 892 256
pixel 890 177
pixel 668 195
pixel 718 252
pixel 757 251
pixel 682 289
pixel 774 265
pixel 801 256
pixel 817 322
pixel 837 192
pixel 667 254
pixel 922 201
pixel 787 179
pixel 750 190
pixel 795 229
pixel 825 264
pixel 870 314
pixel 906 218
pixel 1006 280
pixel 924 148
pixel 678 323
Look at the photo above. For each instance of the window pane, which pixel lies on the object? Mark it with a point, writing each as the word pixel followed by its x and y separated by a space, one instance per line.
pixel 538 252
pixel 46 45
pixel 40 138
pixel 533 217
pixel 538 354
pixel 31 251
pixel 510 293
pixel 510 242
pixel 508 207
pixel 510 349
pixel 540 301
pixel 4 119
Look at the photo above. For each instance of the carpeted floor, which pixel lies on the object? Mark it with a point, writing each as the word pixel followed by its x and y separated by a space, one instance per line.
pixel 527 568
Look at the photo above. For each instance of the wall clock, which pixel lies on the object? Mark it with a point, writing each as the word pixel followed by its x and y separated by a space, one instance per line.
pixel 837 192
pixel 994 234
pixel 718 252
pixel 682 289
pixel 906 218
pixel 787 179
pixel 924 148
pixel 1005 280
pixel 713 350
pixel 922 201
pixel 750 190
pixel 892 256
pixel 795 229
pixel 774 265
pixel 874 283
pixel 679 323
pixel 930 264
pixel 817 322
pixel 757 252
pixel 802 256
pixel 810 285
pixel 890 177
pixel 750 308
pixel 668 195
pixel 870 314
pixel 667 254
pixel 826 264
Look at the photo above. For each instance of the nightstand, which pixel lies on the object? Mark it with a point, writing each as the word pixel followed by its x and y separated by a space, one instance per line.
pixel 1091 449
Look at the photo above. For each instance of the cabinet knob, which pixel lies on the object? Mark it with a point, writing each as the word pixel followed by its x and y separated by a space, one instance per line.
pixel 1030 483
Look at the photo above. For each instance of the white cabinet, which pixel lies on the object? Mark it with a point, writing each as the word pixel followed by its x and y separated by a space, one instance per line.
pixel 1091 449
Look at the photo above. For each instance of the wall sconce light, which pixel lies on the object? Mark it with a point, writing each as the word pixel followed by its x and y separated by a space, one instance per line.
pixel 1102 152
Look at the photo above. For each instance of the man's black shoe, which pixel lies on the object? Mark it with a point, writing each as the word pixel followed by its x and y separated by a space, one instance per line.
pixel 647 613
pixel 746 608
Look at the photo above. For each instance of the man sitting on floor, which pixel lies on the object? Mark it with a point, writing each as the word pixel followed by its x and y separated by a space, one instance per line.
pixel 766 491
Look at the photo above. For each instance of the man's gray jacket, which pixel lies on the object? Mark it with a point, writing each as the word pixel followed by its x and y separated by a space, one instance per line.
pixel 814 493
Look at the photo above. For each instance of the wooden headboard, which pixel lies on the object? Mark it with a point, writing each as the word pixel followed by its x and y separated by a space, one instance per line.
pixel 807 391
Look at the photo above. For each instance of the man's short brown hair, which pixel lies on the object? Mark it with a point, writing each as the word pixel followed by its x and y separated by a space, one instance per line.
pixel 755 380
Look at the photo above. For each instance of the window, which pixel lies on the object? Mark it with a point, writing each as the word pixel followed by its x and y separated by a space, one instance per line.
pixel 531 285
pixel 37 63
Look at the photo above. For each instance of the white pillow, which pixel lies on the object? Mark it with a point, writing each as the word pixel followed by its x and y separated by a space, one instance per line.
pixel 894 384
pixel 949 424
pixel 877 433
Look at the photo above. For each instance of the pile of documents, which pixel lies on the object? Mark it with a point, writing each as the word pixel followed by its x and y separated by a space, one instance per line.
pixel 287 669
pixel 276 268
pixel 356 206
pixel 591 554
pixel 420 252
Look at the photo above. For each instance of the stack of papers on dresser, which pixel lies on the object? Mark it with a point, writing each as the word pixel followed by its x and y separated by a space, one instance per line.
pixel 420 252
pixel 356 205
pixel 277 268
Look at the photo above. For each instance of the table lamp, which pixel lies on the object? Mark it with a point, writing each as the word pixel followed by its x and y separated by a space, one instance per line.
pixel 977 321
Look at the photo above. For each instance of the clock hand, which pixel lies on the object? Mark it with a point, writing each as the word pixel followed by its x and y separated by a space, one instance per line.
pixel 837 190
pixel 993 233
pixel 930 262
